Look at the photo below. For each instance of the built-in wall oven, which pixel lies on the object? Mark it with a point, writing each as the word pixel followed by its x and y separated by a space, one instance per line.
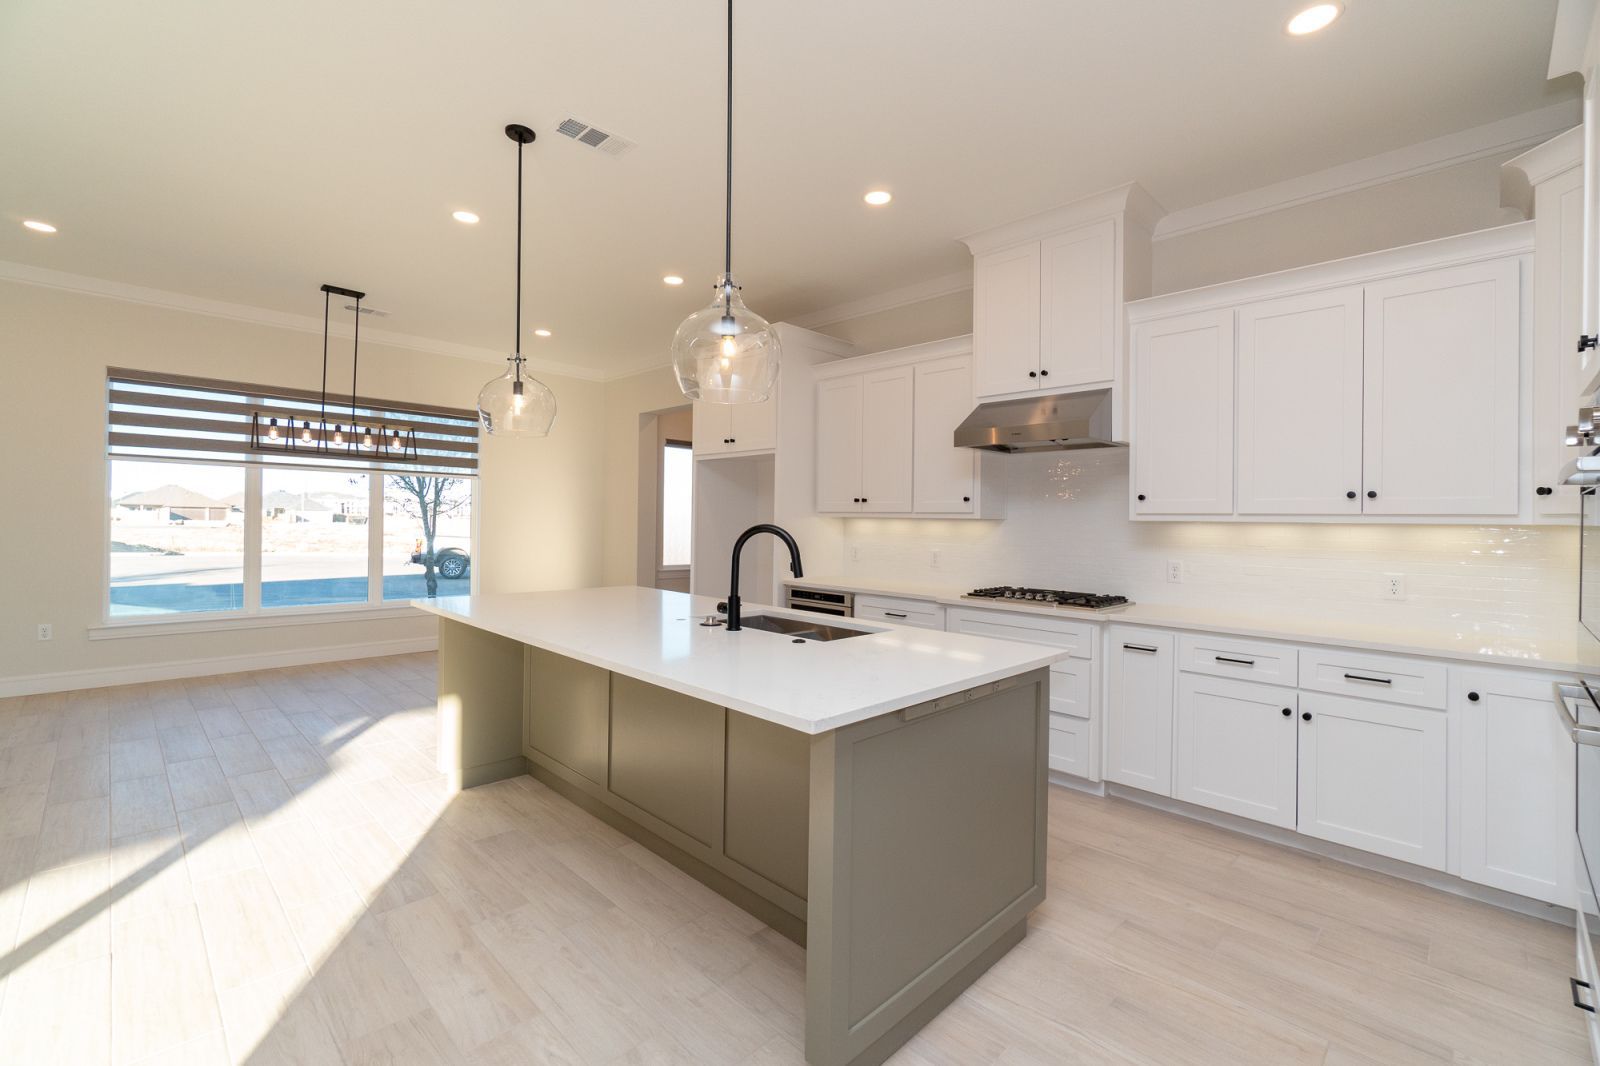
pixel 1579 705
pixel 822 601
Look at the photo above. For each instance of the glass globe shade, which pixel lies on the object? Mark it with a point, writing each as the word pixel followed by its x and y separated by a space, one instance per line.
pixel 516 405
pixel 726 353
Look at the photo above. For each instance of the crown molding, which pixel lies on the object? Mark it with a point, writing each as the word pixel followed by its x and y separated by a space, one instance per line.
pixel 1508 134
pixel 1520 175
pixel 43 277
pixel 905 295
pixel 1130 201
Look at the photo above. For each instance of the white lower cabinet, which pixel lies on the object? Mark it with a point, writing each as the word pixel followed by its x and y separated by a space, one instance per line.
pixel 1235 747
pixel 1373 776
pixel 1139 681
pixel 1070 750
pixel 1515 787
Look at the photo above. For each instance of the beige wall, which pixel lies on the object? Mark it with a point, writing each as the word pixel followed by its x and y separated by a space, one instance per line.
pixel 626 401
pixel 944 316
pixel 539 505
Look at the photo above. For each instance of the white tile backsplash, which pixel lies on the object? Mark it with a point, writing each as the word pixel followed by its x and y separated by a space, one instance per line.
pixel 1066 526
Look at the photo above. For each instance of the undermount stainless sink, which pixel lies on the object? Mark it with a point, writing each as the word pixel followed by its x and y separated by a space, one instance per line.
pixel 803 628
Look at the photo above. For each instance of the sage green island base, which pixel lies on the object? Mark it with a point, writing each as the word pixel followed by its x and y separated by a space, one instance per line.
pixel 903 851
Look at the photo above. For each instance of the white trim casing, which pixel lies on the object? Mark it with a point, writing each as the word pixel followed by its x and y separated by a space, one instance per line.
pixel 272 618
pixel 102 677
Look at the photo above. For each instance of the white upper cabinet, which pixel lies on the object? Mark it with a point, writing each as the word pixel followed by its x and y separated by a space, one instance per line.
pixel 1183 415
pixel 886 428
pixel 1005 319
pixel 1079 307
pixel 945 476
pixel 839 444
pixel 1300 405
pixel 886 436
pixel 734 428
pixel 1442 392
pixel 1047 294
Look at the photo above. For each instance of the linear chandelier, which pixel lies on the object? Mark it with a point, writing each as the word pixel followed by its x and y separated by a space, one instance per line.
pixel 380 440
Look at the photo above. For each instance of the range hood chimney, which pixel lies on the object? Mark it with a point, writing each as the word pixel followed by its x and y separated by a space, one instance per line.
pixel 1041 424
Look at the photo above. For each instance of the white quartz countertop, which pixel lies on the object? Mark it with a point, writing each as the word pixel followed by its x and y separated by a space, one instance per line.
pixel 1568 649
pixel 812 687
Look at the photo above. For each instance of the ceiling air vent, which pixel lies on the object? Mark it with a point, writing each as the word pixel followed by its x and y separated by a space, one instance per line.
pixel 584 133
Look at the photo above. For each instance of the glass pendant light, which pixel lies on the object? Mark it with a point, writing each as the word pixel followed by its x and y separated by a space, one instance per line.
pixel 515 404
pixel 726 353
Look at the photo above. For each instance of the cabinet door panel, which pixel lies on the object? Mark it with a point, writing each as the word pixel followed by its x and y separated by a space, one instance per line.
pixel 1005 319
pixel 1234 748
pixel 713 425
pixel 752 427
pixel 1300 404
pixel 1516 787
pixel 1077 341
pixel 1139 709
pixel 1183 415
pixel 1441 408
pixel 1069 746
pixel 1557 321
pixel 839 444
pixel 886 439
pixel 1372 776
pixel 945 476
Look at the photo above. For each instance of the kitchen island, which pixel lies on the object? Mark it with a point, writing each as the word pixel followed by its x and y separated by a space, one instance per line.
pixel 878 798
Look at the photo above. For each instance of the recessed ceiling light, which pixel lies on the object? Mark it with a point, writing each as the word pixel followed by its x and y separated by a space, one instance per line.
pixel 878 197
pixel 39 227
pixel 465 216
pixel 541 333
pixel 1314 18
pixel 672 279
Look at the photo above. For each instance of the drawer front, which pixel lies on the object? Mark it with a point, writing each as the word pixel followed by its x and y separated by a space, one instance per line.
pixel 1247 660
pixel 1388 678
pixel 1069 745
pixel 922 613
pixel 1072 688
pixel 1077 637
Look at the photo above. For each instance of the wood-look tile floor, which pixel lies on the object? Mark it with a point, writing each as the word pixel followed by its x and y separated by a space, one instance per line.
pixel 263 868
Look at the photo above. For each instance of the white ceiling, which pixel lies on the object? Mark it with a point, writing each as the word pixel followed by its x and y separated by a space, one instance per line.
pixel 250 152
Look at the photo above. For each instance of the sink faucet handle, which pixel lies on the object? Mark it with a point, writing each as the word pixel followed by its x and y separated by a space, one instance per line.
pixel 722 606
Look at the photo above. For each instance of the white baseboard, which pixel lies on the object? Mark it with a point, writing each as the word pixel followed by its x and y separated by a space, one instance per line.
pixel 68 680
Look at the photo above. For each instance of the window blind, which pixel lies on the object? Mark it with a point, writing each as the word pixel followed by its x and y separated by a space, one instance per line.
pixel 171 416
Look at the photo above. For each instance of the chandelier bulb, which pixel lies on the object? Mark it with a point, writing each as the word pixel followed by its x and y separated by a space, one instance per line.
pixel 272 430
pixel 305 432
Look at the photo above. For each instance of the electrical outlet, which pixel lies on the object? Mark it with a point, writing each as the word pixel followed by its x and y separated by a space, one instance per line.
pixel 1175 571
pixel 855 553
pixel 933 559
pixel 1394 587
pixel 46 631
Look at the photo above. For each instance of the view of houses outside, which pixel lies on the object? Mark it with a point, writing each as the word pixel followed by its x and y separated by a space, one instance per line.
pixel 177 538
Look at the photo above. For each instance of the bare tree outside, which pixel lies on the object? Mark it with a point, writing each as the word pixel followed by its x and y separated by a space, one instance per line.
pixel 428 499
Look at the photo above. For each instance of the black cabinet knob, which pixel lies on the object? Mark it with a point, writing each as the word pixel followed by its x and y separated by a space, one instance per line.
pixel 1141 496
pixel 1473 696
pixel 1544 490
pixel 863 499
pixel 1044 373
pixel 1032 374
pixel 733 440
pixel 1350 495
pixel 966 499
pixel 1372 494
pixel 1287 712
pixel 1306 715
pixel 855 499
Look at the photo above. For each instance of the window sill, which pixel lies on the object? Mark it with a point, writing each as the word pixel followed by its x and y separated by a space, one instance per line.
pixel 281 616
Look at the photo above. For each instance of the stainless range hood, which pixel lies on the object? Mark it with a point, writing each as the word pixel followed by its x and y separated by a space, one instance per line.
pixel 1041 424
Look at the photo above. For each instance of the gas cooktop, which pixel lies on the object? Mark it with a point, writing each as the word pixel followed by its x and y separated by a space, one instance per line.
pixel 1081 601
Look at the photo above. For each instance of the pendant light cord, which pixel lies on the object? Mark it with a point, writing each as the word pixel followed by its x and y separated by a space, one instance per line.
pixel 516 345
pixel 324 419
pixel 727 230
pixel 355 364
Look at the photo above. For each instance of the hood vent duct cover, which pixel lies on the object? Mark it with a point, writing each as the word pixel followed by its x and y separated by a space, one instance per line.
pixel 1041 423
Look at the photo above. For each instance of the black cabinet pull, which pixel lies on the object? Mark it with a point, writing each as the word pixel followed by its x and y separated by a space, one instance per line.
pixel 1228 659
pixel 1306 715
pixel 1374 680
pixel 894 614
pixel 1033 374
pixel 1044 373
pixel 733 440
pixel 1372 494
pixel 966 499
pixel 1350 495
pixel 1544 490
pixel 1287 713
pixel 1141 497
pixel 1140 647
pixel 1473 696
pixel 1576 1001
pixel 863 499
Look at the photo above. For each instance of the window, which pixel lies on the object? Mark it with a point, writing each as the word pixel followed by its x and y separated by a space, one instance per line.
pixel 176 538
pixel 677 502
pixel 208 517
